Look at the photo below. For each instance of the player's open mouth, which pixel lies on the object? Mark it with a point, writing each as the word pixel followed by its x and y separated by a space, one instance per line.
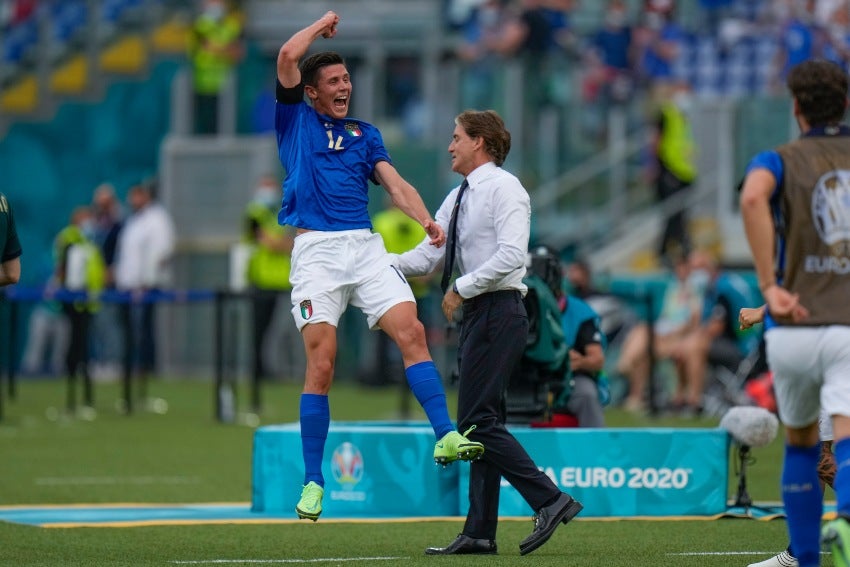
pixel 340 102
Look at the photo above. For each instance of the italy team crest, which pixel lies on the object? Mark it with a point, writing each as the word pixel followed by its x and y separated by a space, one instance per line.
pixel 306 309
pixel 353 129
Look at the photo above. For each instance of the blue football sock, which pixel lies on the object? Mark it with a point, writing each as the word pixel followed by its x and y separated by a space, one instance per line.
pixel 841 449
pixel 803 500
pixel 315 421
pixel 427 386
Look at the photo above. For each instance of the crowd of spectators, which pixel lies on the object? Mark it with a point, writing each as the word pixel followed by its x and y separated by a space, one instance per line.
pixel 721 48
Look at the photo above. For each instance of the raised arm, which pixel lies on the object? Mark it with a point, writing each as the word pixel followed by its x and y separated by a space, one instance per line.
pixel 296 47
pixel 406 198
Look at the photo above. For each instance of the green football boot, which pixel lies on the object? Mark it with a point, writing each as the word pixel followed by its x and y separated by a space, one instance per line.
pixel 836 534
pixel 310 505
pixel 454 446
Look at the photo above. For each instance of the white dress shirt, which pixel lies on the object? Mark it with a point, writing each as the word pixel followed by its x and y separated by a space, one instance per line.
pixel 493 228
pixel 144 250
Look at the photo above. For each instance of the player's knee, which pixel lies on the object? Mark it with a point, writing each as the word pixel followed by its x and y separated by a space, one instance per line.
pixel 411 337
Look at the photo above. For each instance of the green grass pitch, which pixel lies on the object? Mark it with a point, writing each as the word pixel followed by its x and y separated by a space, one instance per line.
pixel 185 456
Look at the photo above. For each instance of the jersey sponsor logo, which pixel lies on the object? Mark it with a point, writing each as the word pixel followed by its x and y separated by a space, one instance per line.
pixel 306 309
pixel 353 129
pixel 831 216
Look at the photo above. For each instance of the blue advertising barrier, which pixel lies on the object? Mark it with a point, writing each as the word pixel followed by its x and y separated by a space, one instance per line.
pixel 387 470
pixel 625 472
pixel 370 470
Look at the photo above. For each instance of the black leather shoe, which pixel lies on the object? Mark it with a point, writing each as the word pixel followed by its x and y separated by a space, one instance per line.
pixel 463 545
pixel 547 519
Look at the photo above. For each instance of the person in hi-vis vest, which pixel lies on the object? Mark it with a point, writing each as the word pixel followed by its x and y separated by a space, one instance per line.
pixel 79 268
pixel 267 273
pixel 675 167
pixel 215 47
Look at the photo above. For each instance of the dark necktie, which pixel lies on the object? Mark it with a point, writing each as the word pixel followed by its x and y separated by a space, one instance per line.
pixel 451 238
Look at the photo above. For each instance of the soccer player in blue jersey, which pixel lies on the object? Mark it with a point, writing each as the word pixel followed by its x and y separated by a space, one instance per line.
pixel 337 260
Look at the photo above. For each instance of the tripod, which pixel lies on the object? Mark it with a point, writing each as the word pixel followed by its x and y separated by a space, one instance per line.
pixel 742 498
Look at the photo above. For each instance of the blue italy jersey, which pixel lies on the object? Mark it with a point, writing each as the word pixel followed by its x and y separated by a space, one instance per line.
pixel 328 164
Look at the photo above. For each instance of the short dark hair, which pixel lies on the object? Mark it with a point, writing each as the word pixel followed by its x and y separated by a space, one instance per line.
pixel 311 66
pixel 489 125
pixel 820 89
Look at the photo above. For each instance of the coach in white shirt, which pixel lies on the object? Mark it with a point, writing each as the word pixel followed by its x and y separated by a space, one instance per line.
pixel 487 221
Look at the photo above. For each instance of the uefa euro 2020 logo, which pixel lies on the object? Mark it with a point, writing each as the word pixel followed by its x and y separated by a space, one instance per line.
pixel 831 210
pixel 347 465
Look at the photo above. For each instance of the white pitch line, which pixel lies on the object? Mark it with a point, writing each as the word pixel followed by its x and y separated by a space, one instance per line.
pixel 703 553
pixel 321 560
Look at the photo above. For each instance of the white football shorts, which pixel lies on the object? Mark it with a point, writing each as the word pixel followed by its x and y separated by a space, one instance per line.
pixel 332 269
pixel 811 374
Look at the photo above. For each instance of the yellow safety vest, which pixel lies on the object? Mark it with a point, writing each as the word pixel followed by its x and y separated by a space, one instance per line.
pixel 211 68
pixel 676 147
pixel 267 269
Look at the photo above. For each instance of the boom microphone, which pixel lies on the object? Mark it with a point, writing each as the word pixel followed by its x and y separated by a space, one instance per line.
pixel 750 426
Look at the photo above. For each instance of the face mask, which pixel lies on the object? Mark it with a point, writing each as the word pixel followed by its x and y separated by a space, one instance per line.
pixel 615 19
pixel 698 280
pixel 88 229
pixel 683 101
pixel 488 17
pixel 267 196
pixel 214 11
pixel 654 21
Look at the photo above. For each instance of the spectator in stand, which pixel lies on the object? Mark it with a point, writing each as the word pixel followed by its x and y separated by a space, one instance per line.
pixel 143 265
pixel 680 315
pixel 608 68
pixel 719 340
pixel 491 35
pixel 613 43
pixel 559 13
pixel 834 21
pixel 798 39
pixel 714 12
pixel 657 43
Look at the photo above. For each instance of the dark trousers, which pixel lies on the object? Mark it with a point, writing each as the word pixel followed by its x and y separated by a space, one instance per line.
pixel 77 357
pixel 263 302
pixel 675 239
pixel 137 321
pixel 492 340
pixel 206 114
